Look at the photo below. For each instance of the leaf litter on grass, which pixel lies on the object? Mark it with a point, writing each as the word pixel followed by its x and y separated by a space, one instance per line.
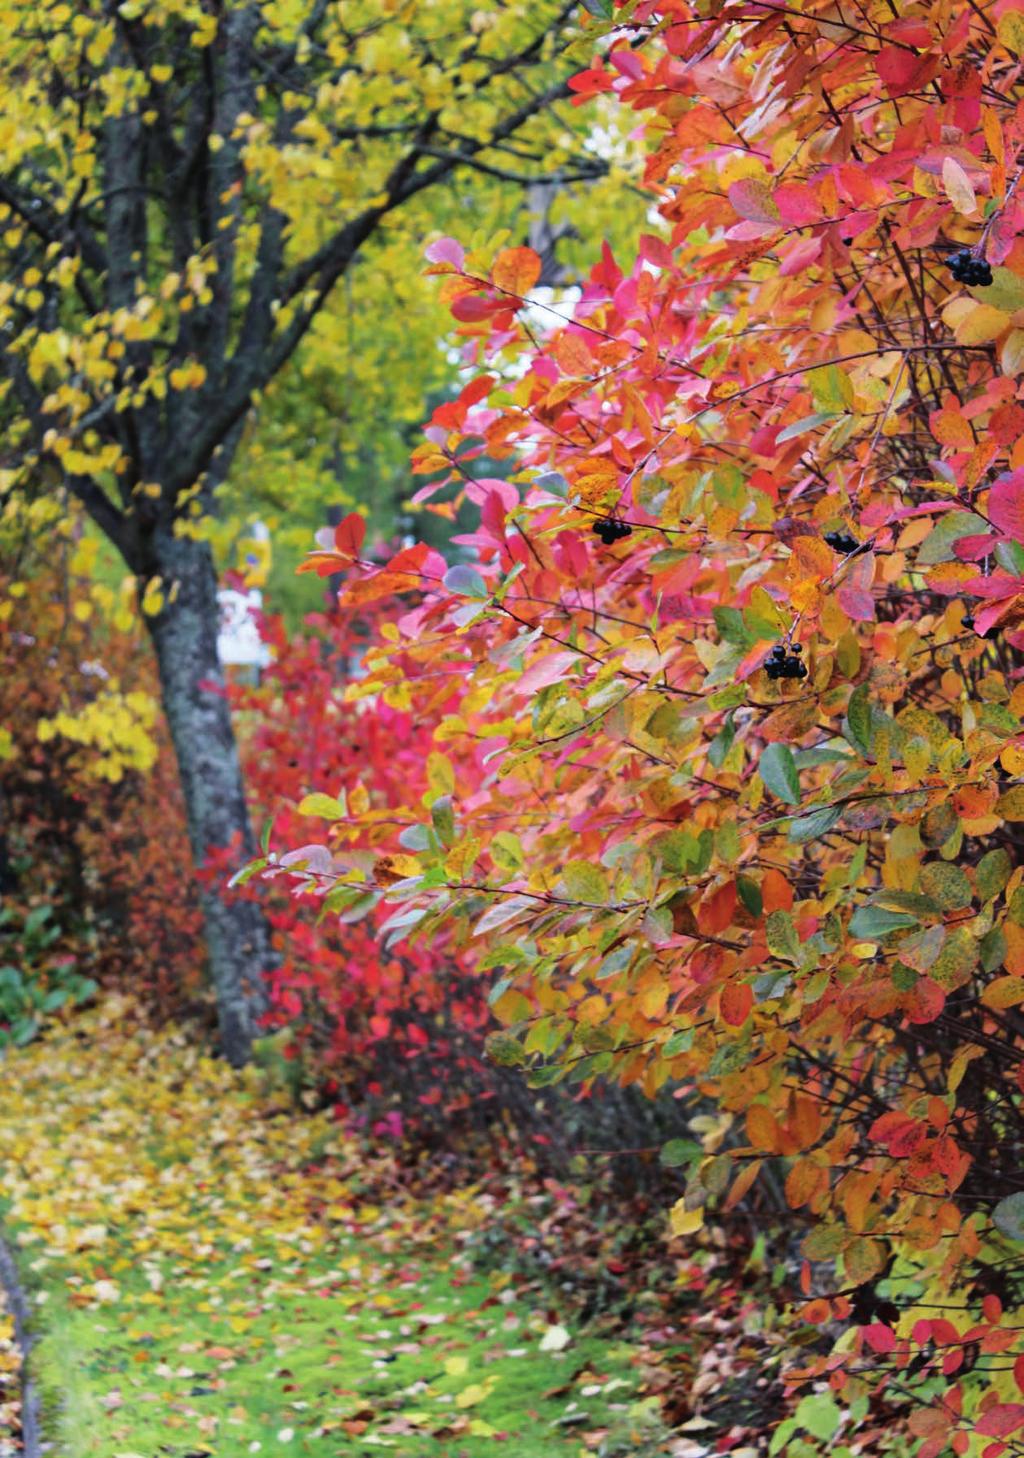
pixel 215 1273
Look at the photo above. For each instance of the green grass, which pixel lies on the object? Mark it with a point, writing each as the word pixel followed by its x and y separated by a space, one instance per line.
pixel 341 1352
pixel 215 1276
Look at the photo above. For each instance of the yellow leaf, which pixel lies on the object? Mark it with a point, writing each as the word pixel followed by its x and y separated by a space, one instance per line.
pixel 957 187
pixel 683 1221
pixel 981 324
pixel 1011 357
pixel 1004 992
pixel 1010 30
pixel 476 1392
pixel 326 806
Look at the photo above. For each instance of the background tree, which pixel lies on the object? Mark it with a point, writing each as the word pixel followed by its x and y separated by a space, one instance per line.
pixel 184 185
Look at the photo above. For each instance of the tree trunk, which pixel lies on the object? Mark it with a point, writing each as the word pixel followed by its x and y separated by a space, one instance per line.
pixel 184 635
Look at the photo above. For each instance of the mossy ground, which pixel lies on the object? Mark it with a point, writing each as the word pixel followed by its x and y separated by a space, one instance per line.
pixel 216 1275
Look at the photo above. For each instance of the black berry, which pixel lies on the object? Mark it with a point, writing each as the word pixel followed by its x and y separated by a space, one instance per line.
pixel 967 268
pixel 968 620
pixel 609 530
pixel 841 542
pixel 847 241
pixel 781 664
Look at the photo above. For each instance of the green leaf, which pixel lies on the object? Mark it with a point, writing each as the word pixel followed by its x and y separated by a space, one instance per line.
pixel 938 544
pixel 858 720
pixel 504 1049
pixel 832 390
pixel 993 872
pixel 247 872
pixel 946 884
pixel 326 806
pixel 778 771
pixel 908 901
pixel 679 850
pixel 781 935
pixel 781 1436
pixel 1005 292
pixel 465 581
pixel 800 427
pixel 732 628
pixel 507 851
pixel 1008 1216
pixel 552 482
pixel 680 1151
pixel 1010 556
pixel 819 1415
pixel 956 962
pixel 871 923
pixel 443 818
pixel 722 742
pixel 680 1042
pixel 992 949
pixel 824 1242
pixel 750 894
pixel 814 825
pixel 585 882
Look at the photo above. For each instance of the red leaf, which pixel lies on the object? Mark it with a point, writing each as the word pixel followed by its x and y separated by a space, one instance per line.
pixel 879 1337
pixel 349 535
pixel 735 1002
pixel 1001 1420
pixel 471 308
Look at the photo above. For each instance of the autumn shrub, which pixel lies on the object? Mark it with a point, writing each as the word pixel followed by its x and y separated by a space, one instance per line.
pixel 91 820
pixel 742 638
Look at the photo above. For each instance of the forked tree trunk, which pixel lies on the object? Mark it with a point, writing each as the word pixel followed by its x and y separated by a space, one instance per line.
pixel 184 635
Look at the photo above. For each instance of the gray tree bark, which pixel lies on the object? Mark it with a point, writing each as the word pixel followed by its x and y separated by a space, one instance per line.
pixel 184 636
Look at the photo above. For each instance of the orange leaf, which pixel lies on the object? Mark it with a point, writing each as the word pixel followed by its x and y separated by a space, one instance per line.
pixel 803 1182
pixel 776 892
pixel 742 1183
pixel 572 355
pixel 763 1128
pixel 805 1122
pixel 516 270
pixel 715 911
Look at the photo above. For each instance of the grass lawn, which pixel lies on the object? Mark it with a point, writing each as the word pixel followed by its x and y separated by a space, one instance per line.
pixel 214 1275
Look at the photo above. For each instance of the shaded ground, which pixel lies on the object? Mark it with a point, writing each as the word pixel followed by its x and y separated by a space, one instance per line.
pixel 214 1275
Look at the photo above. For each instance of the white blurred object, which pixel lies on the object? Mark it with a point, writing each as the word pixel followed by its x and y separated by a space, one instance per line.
pixel 238 640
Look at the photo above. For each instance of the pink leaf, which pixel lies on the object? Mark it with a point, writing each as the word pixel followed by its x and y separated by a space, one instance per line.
pixel 446 250
pixel 1006 505
pixel 973 549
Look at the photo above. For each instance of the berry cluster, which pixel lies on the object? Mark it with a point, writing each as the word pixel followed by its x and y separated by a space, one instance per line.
pixel 785 665
pixel 610 530
pixel 967 269
pixel 841 542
